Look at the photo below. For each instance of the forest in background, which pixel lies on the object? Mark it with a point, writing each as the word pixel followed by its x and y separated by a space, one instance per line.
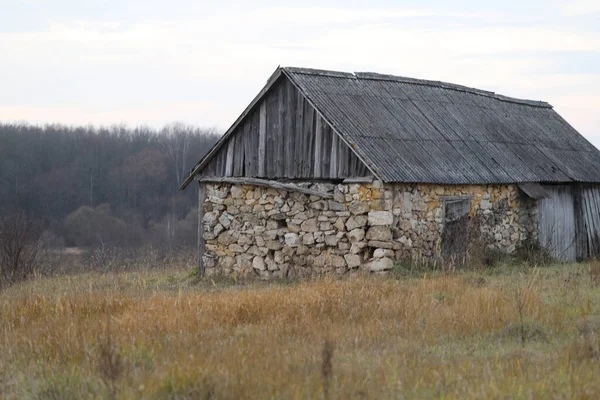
pixel 103 186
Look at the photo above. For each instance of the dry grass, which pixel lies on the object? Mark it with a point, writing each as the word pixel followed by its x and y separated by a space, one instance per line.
pixel 158 334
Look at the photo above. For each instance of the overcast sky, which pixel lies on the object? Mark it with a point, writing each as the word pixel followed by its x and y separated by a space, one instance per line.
pixel 153 62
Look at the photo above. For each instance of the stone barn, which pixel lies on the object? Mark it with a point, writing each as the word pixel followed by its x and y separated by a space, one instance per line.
pixel 332 171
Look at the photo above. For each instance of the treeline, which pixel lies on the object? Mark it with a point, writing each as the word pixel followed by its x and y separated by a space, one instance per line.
pixel 103 185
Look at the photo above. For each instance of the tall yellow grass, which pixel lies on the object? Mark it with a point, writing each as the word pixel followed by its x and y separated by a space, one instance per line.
pixel 161 335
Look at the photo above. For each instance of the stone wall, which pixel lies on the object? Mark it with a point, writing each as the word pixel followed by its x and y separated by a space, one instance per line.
pixel 276 233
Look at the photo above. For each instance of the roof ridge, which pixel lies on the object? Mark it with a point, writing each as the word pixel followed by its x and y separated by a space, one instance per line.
pixel 415 81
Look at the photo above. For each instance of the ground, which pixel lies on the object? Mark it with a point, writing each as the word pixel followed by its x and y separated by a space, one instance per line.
pixel 510 332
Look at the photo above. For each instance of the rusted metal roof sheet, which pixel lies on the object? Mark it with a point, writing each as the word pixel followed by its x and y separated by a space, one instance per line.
pixel 411 130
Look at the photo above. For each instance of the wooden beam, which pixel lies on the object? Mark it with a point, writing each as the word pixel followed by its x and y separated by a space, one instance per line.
pixel 262 138
pixel 266 183
pixel 366 179
pixel 201 244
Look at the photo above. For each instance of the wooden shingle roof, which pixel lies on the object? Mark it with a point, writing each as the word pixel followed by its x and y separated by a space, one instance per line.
pixel 412 130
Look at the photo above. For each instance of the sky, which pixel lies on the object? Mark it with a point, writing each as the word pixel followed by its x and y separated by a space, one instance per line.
pixel 151 62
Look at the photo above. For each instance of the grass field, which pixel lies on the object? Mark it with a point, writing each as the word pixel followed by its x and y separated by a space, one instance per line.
pixel 512 332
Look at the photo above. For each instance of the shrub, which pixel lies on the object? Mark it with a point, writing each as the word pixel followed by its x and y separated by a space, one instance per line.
pixel 20 245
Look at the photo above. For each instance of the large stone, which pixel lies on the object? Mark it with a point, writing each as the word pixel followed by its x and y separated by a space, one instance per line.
pixel 359 207
pixel 308 239
pixel 273 244
pixel 353 260
pixel 226 239
pixel 225 219
pixel 381 253
pixel 310 225
pixel 237 192
pixel 382 264
pixel 259 263
pixel 211 218
pixel 356 235
pixel 295 228
pixel 379 233
pixel 357 221
pixel 336 206
pixel 339 224
pixel 236 248
pixel 292 239
pixel 377 218
pixel 218 229
pixel 331 240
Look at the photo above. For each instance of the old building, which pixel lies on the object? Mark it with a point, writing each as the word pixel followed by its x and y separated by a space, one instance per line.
pixel 331 171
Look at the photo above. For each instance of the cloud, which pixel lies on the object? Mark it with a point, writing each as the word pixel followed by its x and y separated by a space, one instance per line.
pixel 205 69
pixel 581 7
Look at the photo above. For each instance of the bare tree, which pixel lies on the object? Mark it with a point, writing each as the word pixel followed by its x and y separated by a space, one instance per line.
pixel 20 244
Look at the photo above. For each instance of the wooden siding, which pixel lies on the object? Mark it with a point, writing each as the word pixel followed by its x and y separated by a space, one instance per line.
pixel 284 138
pixel 569 222
pixel 590 204
pixel 557 223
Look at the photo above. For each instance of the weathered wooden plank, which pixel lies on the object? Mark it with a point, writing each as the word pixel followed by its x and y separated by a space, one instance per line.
pixel 326 146
pixel 262 139
pixel 309 130
pixel 201 243
pixel 289 136
pixel 318 148
pixel 238 152
pixel 266 183
pixel 333 159
pixel 229 163
pixel 280 131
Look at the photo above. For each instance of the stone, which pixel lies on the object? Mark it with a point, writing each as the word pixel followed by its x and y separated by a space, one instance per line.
pixel 380 218
pixel 357 221
pixel 237 192
pixel 357 207
pixel 236 248
pixel 227 261
pixel 218 229
pixel 292 239
pixel 325 226
pixel 344 246
pixel 353 260
pixel 379 233
pixel 242 263
pixel 339 224
pixel 337 261
pixel 295 228
pixel 273 244
pixel 225 219
pixel 356 235
pixel 357 247
pixel 226 239
pixel 320 205
pixel 380 253
pixel 310 225
pixel 211 218
pixel 331 240
pixel 382 264
pixel 308 239
pixel 336 206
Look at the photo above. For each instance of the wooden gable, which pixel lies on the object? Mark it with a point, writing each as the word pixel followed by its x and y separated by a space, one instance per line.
pixel 283 137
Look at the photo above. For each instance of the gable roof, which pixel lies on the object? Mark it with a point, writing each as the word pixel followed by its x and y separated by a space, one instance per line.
pixel 410 130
